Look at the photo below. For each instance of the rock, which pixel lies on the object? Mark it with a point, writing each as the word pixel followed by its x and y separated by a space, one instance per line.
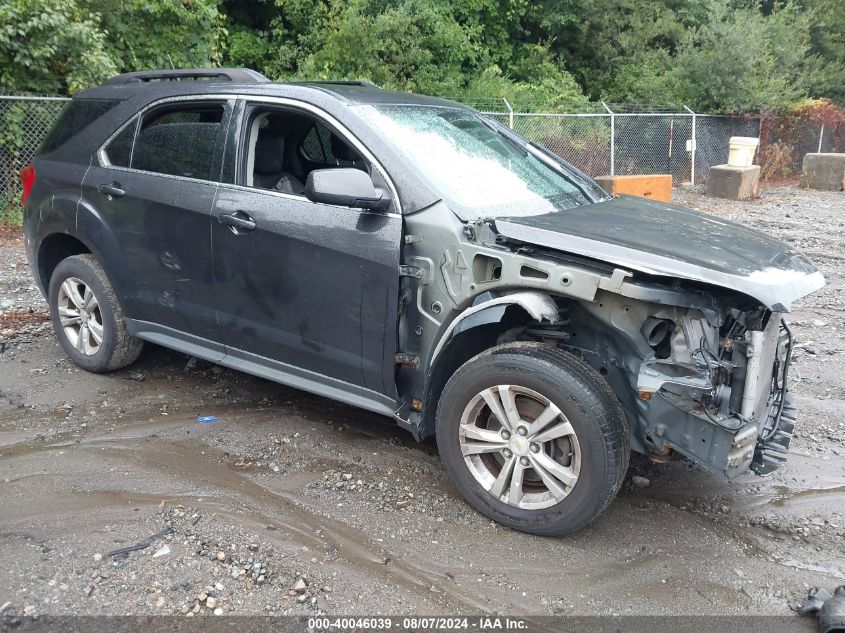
pixel 137 376
pixel 211 602
pixel 253 547
pixel 347 476
pixel 823 171
pixel 300 586
pixel 163 551
pixel 640 482
pixel 98 557
pixel 218 611
pixel 29 609
pixel 221 556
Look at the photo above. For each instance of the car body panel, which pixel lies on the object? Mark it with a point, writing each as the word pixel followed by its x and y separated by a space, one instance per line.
pixel 314 285
pixel 671 241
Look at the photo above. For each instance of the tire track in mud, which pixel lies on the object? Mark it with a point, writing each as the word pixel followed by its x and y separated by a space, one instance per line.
pixel 184 462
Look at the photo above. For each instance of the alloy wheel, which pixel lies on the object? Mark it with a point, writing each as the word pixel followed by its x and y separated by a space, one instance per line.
pixel 520 447
pixel 80 316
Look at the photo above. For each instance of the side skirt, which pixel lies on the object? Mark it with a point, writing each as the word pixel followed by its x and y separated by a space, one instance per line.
pixel 267 368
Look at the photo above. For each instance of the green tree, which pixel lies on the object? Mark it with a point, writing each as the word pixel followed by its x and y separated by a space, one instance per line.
pixel 51 46
pixel 144 34
pixel 411 46
pixel 740 60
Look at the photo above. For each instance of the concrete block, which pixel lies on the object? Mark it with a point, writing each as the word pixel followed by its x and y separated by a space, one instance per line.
pixel 652 186
pixel 733 183
pixel 823 171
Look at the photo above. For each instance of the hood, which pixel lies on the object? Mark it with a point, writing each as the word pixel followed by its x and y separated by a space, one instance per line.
pixel 672 241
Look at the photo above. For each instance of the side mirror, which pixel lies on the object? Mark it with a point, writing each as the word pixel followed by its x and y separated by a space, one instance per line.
pixel 345 187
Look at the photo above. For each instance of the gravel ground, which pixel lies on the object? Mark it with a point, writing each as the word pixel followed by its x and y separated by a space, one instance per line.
pixel 292 504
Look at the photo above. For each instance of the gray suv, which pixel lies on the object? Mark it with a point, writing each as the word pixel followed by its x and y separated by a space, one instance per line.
pixel 412 257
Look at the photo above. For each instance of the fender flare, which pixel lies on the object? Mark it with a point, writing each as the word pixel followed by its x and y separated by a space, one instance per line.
pixel 539 305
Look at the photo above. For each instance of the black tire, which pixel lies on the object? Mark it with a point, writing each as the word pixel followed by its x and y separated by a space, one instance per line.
pixel 117 349
pixel 588 403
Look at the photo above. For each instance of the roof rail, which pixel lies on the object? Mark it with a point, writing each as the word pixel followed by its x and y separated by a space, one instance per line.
pixel 234 75
pixel 329 82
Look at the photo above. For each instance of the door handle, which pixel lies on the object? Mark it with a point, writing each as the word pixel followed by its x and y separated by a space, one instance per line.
pixel 112 189
pixel 237 221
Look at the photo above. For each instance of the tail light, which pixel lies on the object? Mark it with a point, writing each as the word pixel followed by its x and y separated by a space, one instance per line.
pixel 27 180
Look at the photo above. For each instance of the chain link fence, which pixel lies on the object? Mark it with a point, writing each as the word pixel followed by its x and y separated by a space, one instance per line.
pixel 684 144
pixel 24 122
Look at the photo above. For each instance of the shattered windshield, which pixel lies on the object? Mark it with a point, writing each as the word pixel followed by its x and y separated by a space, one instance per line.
pixel 473 165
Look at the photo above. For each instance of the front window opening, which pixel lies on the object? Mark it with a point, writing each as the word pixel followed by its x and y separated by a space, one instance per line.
pixel 477 168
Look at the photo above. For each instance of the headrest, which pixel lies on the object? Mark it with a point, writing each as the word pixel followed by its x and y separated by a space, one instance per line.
pixel 269 154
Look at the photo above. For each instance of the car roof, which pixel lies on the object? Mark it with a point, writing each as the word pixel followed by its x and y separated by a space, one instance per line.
pixel 158 84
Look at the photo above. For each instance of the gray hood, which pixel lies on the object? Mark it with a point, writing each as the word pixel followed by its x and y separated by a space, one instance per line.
pixel 671 241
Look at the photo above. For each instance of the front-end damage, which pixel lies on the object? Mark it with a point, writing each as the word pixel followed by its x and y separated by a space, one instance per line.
pixel 719 396
pixel 700 369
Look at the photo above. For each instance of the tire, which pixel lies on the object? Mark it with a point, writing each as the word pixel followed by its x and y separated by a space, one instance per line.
pixel 101 317
pixel 594 447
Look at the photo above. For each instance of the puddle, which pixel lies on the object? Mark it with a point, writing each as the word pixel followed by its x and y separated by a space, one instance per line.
pixel 786 496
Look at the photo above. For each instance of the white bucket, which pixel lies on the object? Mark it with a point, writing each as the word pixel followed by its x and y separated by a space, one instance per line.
pixel 741 152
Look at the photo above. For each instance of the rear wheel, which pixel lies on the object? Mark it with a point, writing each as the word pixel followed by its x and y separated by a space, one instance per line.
pixel 87 316
pixel 533 437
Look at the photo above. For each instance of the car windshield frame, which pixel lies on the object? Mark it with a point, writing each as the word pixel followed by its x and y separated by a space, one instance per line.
pixel 480 168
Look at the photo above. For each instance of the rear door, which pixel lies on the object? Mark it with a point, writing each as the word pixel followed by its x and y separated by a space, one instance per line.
pixel 309 290
pixel 154 184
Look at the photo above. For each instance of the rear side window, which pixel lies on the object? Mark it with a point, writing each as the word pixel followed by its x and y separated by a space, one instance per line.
pixel 77 115
pixel 119 149
pixel 178 141
pixel 316 146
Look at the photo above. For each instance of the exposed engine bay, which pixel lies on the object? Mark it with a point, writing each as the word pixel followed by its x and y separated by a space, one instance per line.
pixel 700 368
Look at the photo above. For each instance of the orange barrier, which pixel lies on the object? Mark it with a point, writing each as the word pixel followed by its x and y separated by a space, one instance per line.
pixel 652 186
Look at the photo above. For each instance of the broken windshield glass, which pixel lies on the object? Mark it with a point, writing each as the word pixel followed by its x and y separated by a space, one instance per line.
pixel 475 167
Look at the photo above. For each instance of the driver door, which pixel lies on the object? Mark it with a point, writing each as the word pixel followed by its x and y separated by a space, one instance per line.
pixel 306 291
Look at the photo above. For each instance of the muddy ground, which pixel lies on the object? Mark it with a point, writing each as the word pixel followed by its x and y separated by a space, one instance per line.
pixel 290 503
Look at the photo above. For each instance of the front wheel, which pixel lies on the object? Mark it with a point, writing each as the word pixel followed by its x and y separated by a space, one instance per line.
pixel 533 437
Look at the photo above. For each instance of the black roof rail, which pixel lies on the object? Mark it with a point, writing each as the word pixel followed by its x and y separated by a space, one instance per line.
pixel 215 75
pixel 329 82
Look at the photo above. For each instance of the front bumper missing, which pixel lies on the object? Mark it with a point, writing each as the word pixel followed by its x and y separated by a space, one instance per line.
pixel 676 419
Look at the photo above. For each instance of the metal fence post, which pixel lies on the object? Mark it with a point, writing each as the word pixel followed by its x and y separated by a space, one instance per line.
pixel 612 139
pixel 821 138
pixel 693 148
pixel 510 113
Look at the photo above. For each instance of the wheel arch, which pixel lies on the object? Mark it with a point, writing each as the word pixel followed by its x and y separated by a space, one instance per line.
pixel 473 331
pixel 54 248
pixel 89 232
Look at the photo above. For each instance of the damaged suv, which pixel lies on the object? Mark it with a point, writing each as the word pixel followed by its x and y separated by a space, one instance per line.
pixel 412 257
